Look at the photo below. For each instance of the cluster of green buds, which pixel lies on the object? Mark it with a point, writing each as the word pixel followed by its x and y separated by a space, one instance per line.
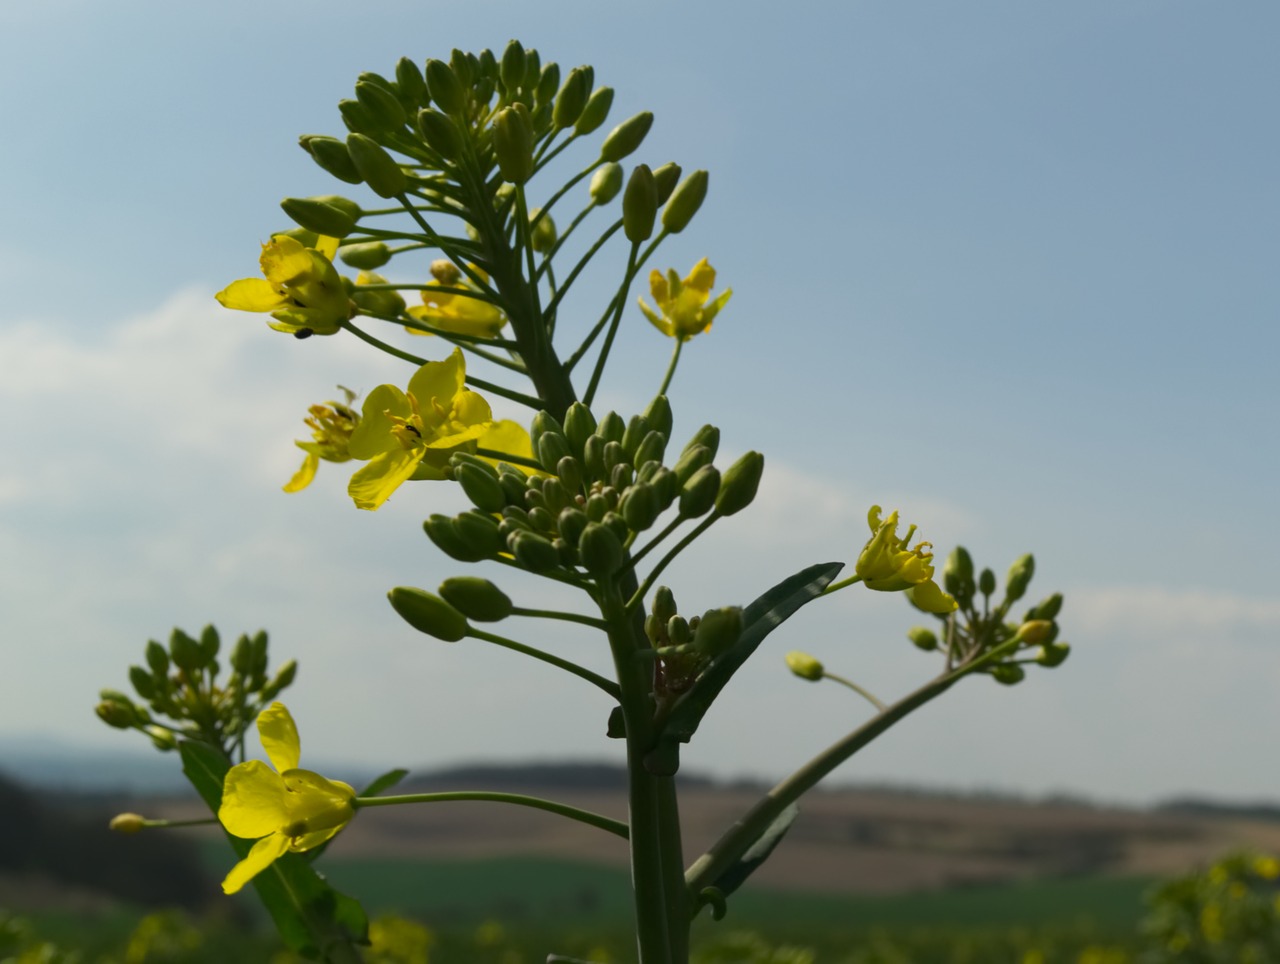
pixel 684 648
pixel 599 485
pixel 980 627
pixel 180 695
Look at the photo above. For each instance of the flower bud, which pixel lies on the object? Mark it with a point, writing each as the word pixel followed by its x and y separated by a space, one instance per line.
pixel 532 69
pixel 1047 608
pixel 552 447
pixel 658 415
pixel 606 182
pixel 741 482
pixel 621 476
pixel 569 472
pixel 639 507
pixel 805 666
pixel 612 427
pixel 115 713
pixel 143 682
pixel 157 658
pixel 986 582
pixel 572 99
pixel 445 272
pixel 365 256
pixel 440 133
pixel 923 638
pixel 593 458
pixel 357 118
pixel 692 459
pixel 639 204
pixel 331 154
pixel 383 106
pixel 698 495
pixel 595 112
pixel 479 533
pixel 666 178
pixel 718 631
pixel 667 486
pixel 513 143
pixel 678 631
pixel 664 603
pixel 570 524
pixel 600 549
pixel 445 89
pixel 283 679
pixel 637 428
pixel 685 202
pixel 544 231
pixel 127 823
pixel 428 613
pixel 547 83
pixel 708 436
pixel 579 423
pixel 413 88
pixel 626 137
pixel 957 575
pixel 385 303
pixel 162 739
pixel 1036 631
pixel 380 171
pixel 481 487
pixel 1008 674
pixel 1019 577
pixel 533 552
pixel 318 216
pixel 210 643
pixel 464 66
pixel 513 66
pixel 476 598
pixel 1053 654
pixel 651 449
pixel 440 530
pixel 614 521
pixel 185 651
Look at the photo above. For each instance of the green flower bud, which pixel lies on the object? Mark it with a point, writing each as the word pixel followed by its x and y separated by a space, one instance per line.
pixel 162 739
pixel 637 428
pixel 655 631
pixel 552 447
pixel 1036 631
pixel 1008 674
pixel 117 714
pixel 157 658
pixel 678 631
pixel 428 613
pixel 741 482
pixel 547 83
pixel 513 143
pixel 570 524
pixel 331 154
pixel 595 112
pixel 143 682
pixel 241 655
pixel 1047 608
pixel 127 823
pixel 639 204
pixel 986 582
pixel 621 476
pixel 606 182
pixel 440 133
pixel 593 458
pixel 463 65
pixel 532 69
pixel 639 507
pixel 664 603
pixel 651 449
pixel 259 648
pixel 626 137
pixel 544 231
pixel 513 66
pixel 666 485
pixel 923 638
pixel 365 256
pixel 572 99
pixel 476 598
pixel 718 631
pixel 488 65
pixel 380 171
pixel 185 652
pixel 579 423
pixel 383 106
pixel 1053 654
pixel 413 88
pixel 685 202
pixel 691 460
pixel 317 216
pixel 600 549
pixel 385 303
pixel 805 666
pixel 283 679
pixel 957 575
pixel 597 507
pixel 612 427
pixel 533 552
pixel 357 118
pixel 541 519
pixel 445 89
pixel 569 472
pixel 658 415
pixel 665 178
pixel 698 495
pixel 440 530
pixel 708 436
pixel 482 488
pixel 514 483
pixel 1019 577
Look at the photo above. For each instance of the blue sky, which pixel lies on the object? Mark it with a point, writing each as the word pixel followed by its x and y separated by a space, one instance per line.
pixel 1007 266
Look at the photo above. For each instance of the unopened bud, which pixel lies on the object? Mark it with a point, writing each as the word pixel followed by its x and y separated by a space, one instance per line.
pixel 685 202
pixel 410 81
pixel 445 89
pixel 283 679
pixel 626 137
pixel 445 272
pixel 513 143
pixel 1053 654
pixel 741 482
pixel 666 178
pixel 533 552
pixel 116 713
pixel 143 682
pixel 127 823
pixel 385 303
pixel 185 651
pixel 679 631
pixel 923 638
pixel 639 204
pixel 957 575
pixel 606 182
pixel 383 106
pixel 664 603
pixel 1019 577
pixel 1047 608
pixel 718 631
pixel 157 658
pixel 428 613
pixel 318 216
pixel 544 231
pixel 481 487
pixel 699 494
pixel 440 133
pixel 331 155
pixel 639 507
pixel 1035 631
pixel 805 666
pixel 513 65
pixel 579 424
pixel 476 598
pixel 384 176
pixel 366 256
pixel 479 532
pixel 595 112
pixel 986 582
pixel 1008 674
pixel 600 549
pixel 572 99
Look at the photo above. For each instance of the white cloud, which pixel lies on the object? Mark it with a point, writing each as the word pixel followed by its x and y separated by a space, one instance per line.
pixel 1160 613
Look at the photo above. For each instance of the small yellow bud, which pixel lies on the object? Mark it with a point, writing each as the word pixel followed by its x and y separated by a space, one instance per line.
pixel 127 823
pixel 1035 631
pixel 805 666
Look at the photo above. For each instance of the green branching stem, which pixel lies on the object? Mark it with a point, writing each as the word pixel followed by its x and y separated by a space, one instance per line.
pixel 615 827
pixel 671 368
pixel 666 560
pixel 449 250
pixel 865 694
pixel 557 614
pixel 618 302
pixel 382 345
pixel 573 275
pixel 851 581
pixel 656 540
pixel 609 687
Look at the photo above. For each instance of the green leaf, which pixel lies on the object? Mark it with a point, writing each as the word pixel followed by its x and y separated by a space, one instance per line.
pixel 384 782
pixel 758 620
pixel 736 873
pixel 314 920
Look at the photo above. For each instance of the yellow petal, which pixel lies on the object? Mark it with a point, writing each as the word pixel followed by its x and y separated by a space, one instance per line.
pixel 251 294
pixel 263 854
pixel 662 324
pixel 439 380
pixel 254 800
pixel 702 277
pixel 302 478
pixel 507 437
pixel 284 260
pixel 327 246
pixel 373 484
pixel 372 435
pixel 931 599
pixel 658 287
pixel 279 737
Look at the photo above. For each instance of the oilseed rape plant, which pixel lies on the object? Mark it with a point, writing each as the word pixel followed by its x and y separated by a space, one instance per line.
pixel 451 163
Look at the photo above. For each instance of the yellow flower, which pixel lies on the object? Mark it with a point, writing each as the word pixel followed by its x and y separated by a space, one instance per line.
pixel 411 434
pixel 683 303
pixel 331 426
pixel 457 313
pixel 887 565
pixel 301 289
pixel 287 808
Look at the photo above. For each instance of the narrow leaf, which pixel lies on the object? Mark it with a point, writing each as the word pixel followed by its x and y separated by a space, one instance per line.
pixel 384 782
pixel 736 873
